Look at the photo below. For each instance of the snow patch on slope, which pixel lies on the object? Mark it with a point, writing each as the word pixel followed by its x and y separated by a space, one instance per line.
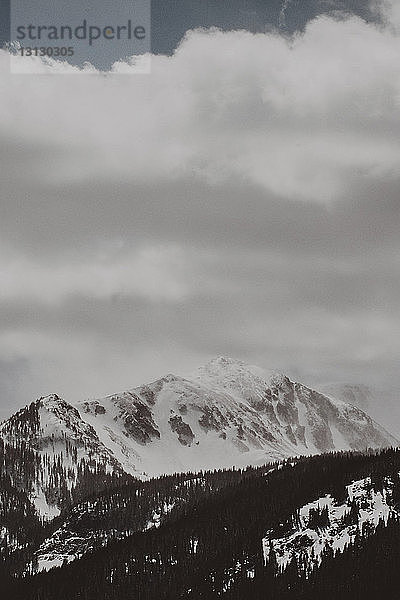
pixel 336 533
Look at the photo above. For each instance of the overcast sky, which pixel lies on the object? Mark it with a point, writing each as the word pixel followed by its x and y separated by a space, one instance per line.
pixel 243 199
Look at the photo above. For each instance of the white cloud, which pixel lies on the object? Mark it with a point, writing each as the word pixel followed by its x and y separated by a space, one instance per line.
pixel 292 116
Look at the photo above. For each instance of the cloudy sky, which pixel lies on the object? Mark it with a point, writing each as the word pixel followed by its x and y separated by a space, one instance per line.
pixel 242 199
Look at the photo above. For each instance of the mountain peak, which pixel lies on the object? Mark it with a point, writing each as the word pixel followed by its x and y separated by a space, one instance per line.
pixel 59 408
pixel 223 369
pixel 224 361
pixel 50 401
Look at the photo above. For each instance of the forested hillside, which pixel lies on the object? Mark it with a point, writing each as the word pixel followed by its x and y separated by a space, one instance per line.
pixel 207 535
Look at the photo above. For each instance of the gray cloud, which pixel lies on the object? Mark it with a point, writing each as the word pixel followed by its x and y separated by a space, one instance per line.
pixel 241 203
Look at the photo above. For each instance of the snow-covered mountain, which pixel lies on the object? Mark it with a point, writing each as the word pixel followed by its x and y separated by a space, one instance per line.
pixel 228 413
pixel 381 403
pixel 53 456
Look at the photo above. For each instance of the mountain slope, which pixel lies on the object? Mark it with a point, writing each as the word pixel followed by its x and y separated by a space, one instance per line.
pixel 54 457
pixel 65 493
pixel 228 413
pixel 227 538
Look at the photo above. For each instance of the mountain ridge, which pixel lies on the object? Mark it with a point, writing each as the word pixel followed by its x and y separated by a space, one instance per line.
pixel 228 414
